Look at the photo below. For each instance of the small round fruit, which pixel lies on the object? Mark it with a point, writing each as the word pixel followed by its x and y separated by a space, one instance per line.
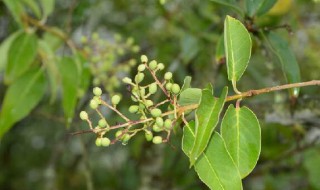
pixel 118 133
pixel 127 80
pixel 97 91
pixel 115 99
pixel 133 109
pixel 84 115
pixel 153 88
pixel 168 75
pixel 160 66
pixel 175 88
pixel 98 142
pixel 168 124
pixel 102 123
pixel 156 128
pixel 153 64
pixel 149 103
pixel 156 112
pixel 139 77
pixel 94 104
pixel 125 138
pixel 141 67
pixel 148 135
pixel 159 121
pixel 157 140
pixel 105 141
pixel 144 58
pixel 168 86
pixel 142 91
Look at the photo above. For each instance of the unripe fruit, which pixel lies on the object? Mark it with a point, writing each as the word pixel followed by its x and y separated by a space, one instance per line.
pixel 127 80
pixel 102 123
pixel 97 99
pixel 139 77
pixel 153 88
pixel 157 140
pixel 98 142
pixel 125 138
pixel 168 86
pixel 156 112
pixel 175 88
pixel 142 91
pixel 118 133
pixel 97 91
pixel 84 115
pixel 115 99
pixel 149 103
pixel 153 64
pixel 156 128
pixel 160 66
pixel 133 109
pixel 144 58
pixel 168 75
pixel 141 67
pixel 168 124
pixel 148 135
pixel 94 104
pixel 159 121
pixel 105 141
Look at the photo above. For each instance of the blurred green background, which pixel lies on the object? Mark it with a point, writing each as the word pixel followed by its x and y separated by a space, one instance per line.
pixel 38 152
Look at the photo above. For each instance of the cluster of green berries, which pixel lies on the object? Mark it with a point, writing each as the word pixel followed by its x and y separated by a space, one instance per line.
pixel 103 56
pixel 154 122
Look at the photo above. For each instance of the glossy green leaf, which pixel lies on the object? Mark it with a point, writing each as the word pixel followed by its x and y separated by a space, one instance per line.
pixel 70 82
pixel 241 131
pixel 311 163
pixel 287 59
pixel 16 9
pixel 237 43
pixel 49 60
pixel 190 96
pixel 20 98
pixel 215 166
pixel 47 7
pixel 4 48
pixel 207 117
pixel 21 55
pixel 231 4
pixel 258 6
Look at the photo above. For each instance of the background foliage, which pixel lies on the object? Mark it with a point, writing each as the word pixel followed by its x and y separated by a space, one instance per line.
pixel 39 153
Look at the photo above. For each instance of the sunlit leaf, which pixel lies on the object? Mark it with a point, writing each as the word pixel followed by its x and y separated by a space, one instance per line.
pixel 215 166
pixel 47 7
pixel 190 96
pixel 20 98
pixel 237 43
pixel 186 83
pixel 241 131
pixel 207 117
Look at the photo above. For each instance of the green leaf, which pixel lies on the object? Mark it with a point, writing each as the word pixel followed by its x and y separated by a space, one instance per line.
pixel 311 163
pixel 231 4
pixel 32 4
pixel 16 9
pixel 186 83
pixel 70 82
pixel 237 43
pixel 207 117
pixel 20 98
pixel 215 166
pixel 190 96
pixel 259 7
pixel 47 7
pixel 189 48
pixel 241 131
pixel 220 55
pixel 50 63
pixel 287 59
pixel 4 48
pixel 21 55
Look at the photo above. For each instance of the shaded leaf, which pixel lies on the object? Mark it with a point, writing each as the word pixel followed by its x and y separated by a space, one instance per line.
pixel 231 4
pixel 190 48
pixel 237 43
pixel 47 7
pixel 20 98
pixel 259 7
pixel 186 83
pixel 220 55
pixel 311 163
pixel 215 166
pixel 190 96
pixel 287 59
pixel 16 9
pixel 241 131
pixel 21 55
pixel 33 5
pixel 207 117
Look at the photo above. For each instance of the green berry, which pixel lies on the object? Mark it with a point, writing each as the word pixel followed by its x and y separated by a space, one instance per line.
pixel 156 112
pixel 84 115
pixel 156 128
pixel 102 123
pixel 148 135
pixel 97 99
pixel 175 88
pixel 118 133
pixel 98 142
pixel 149 103
pixel 168 124
pixel 94 104
pixel 127 80
pixel 160 66
pixel 135 48
pixel 125 138
pixel 153 88
pixel 157 140
pixel 144 59
pixel 133 109
pixel 168 86
pixel 139 77
pixel 115 99
pixel 105 141
pixel 153 64
pixel 168 75
pixel 141 67
pixel 142 91
pixel 97 91
pixel 159 121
